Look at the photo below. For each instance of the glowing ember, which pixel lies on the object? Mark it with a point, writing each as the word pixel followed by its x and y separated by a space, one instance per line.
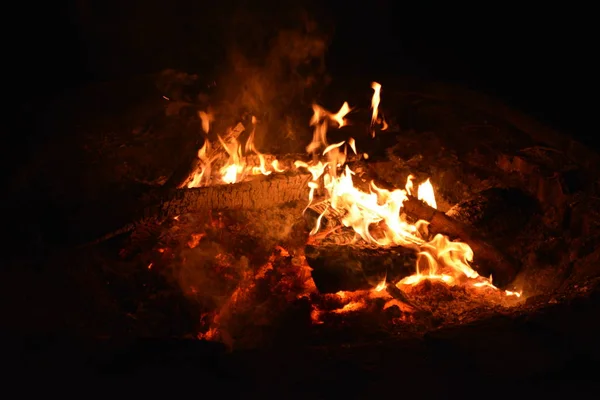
pixel 195 240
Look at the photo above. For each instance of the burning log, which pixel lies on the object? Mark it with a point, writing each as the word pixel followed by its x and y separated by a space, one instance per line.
pixel 488 259
pixel 353 267
pixel 259 193
pixel 184 174
pixel 497 213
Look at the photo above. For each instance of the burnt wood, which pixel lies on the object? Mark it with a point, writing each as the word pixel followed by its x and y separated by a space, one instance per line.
pixel 497 213
pixel 259 193
pixel 488 259
pixel 353 267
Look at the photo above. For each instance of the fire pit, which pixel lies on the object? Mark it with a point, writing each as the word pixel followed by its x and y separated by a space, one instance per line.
pixel 412 215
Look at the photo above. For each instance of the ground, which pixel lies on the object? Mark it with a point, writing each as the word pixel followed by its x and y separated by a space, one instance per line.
pixel 107 145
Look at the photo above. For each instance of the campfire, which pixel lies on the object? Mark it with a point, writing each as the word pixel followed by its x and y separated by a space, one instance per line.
pixel 249 236
pixel 324 222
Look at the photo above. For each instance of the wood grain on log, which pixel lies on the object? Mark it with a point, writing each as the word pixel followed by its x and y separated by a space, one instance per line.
pixel 353 267
pixel 488 259
pixel 259 193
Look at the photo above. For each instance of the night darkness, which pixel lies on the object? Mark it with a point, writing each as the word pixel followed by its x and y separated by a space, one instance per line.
pixel 536 59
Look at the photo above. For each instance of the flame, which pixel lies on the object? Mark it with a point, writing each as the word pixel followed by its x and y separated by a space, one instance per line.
pixel 202 174
pixel 352 144
pixel 234 167
pixel 380 286
pixel 425 191
pixel 376 215
pixel 237 166
pixel 320 120
pixel 381 209
pixel 195 239
pixel 206 117
pixel 375 117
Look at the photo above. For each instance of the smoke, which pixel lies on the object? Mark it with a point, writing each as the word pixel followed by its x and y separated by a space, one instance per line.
pixel 276 68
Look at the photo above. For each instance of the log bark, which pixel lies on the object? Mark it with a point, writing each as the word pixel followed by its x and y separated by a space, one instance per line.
pixel 259 193
pixel 353 267
pixel 488 259
pixel 548 178
pixel 499 214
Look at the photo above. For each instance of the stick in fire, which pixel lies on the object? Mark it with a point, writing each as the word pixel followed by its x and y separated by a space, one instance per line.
pixel 488 259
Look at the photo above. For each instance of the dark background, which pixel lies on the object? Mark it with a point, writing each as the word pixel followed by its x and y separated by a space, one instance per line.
pixel 537 59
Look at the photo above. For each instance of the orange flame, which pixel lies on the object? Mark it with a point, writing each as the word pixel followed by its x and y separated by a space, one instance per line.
pixel 375 117
pixel 236 167
pixel 438 258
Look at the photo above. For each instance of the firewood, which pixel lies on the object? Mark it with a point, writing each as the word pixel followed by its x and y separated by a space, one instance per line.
pixel 190 164
pixel 258 193
pixel 497 213
pixel 351 267
pixel 185 170
pixel 329 218
pixel 488 259
pixel 547 175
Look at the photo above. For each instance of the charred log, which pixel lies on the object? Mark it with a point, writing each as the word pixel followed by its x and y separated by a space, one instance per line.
pixel 185 170
pixel 353 267
pixel 488 259
pixel 497 213
pixel 549 176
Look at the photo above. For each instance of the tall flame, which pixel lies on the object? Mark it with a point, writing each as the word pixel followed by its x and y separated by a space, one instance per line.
pixel 375 115
pixel 375 104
